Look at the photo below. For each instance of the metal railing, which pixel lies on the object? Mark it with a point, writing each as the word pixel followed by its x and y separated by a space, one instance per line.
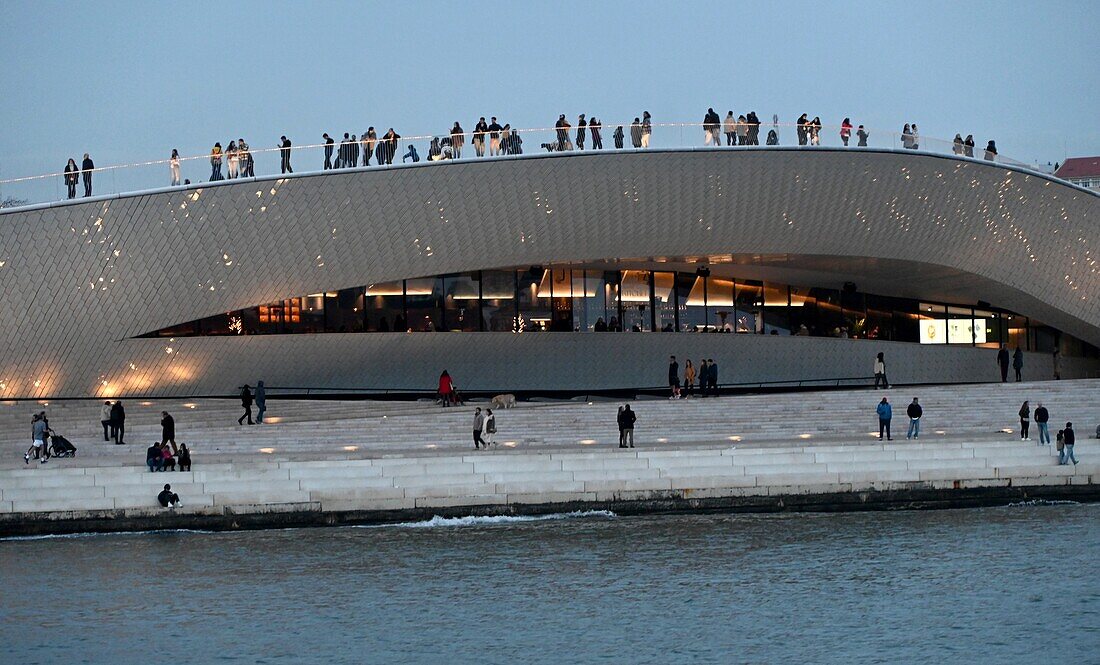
pixel 463 147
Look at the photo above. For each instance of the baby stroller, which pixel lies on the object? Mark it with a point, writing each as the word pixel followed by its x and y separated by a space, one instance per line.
pixel 61 447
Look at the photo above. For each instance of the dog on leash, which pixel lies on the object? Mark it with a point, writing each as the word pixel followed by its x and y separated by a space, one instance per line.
pixel 504 401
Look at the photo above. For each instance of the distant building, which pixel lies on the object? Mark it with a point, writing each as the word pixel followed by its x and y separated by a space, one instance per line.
pixel 1081 171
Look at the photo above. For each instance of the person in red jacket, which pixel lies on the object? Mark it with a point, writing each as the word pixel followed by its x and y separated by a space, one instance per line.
pixel 446 389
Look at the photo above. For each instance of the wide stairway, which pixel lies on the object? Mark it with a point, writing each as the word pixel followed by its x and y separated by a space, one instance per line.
pixel 542 477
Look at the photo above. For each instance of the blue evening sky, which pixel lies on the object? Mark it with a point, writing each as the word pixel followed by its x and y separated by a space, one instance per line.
pixel 128 81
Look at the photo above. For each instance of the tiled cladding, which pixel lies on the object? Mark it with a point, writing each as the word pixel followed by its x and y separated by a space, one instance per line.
pixel 79 279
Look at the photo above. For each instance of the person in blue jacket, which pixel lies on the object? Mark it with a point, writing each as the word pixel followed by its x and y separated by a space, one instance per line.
pixel 885 413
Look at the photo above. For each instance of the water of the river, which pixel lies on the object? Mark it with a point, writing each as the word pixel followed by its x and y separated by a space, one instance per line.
pixel 1019 584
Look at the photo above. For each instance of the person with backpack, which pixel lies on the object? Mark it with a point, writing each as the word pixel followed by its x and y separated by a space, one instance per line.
pixel 1042 416
pixel 490 427
pixel 627 418
pixel 885 413
pixel 914 412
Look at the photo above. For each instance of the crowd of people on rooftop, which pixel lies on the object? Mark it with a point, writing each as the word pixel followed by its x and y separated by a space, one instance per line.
pixel 495 139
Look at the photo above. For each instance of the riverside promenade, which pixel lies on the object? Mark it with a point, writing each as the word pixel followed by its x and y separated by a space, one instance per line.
pixel 354 462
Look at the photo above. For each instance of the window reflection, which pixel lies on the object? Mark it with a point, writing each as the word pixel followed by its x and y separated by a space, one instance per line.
pixel 582 299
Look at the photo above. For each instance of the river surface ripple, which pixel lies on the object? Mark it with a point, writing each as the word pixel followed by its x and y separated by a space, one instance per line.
pixel 1019 584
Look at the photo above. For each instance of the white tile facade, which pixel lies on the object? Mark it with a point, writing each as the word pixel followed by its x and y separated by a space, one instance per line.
pixel 80 279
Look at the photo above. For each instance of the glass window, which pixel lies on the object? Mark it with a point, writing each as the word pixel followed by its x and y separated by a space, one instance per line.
pixel 557 286
pixel 534 311
pixel 664 300
pixel 962 326
pixel 634 300
pixel 424 304
pixel 692 291
pixel 344 310
pixel 308 314
pixel 498 305
pixel 589 300
pixel 777 317
pixel 932 324
pixel 749 309
pixel 385 305
pixel 879 323
pixel 461 302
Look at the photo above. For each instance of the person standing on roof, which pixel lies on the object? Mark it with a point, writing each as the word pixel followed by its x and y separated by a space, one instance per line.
pixel 72 176
pixel 284 155
pixel 562 129
pixel 458 137
pixel 329 144
pixel 594 128
pixel 494 137
pixel 86 168
pixel 480 130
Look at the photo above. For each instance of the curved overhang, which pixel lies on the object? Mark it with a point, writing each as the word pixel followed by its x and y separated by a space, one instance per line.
pixel 80 277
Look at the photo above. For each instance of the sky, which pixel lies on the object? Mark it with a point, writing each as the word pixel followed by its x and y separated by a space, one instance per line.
pixel 129 81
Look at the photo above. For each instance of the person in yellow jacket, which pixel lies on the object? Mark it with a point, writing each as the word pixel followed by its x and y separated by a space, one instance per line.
pixel 689 378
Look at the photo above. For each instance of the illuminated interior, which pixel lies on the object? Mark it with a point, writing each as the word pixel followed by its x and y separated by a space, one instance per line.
pixel 563 298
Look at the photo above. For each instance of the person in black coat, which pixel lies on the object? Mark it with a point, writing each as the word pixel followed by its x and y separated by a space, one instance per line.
pixel 168 498
pixel 1002 360
pixel 72 175
pixel 246 402
pixel 86 168
pixel 1018 362
pixel 168 430
pixel 594 127
pixel 284 155
pixel 118 422
pixel 329 144
pixel 713 376
pixel 626 419
pixel 183 459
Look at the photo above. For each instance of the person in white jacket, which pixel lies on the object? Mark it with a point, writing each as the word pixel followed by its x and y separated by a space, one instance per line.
pixel 105 419
pixel 880 372
pixel 490 427
pixel 174 167
pixel 729 127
